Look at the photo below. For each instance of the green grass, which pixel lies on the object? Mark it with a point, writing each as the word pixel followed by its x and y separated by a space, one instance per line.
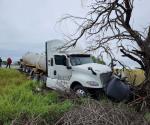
pixel 17 98
pixel 9 78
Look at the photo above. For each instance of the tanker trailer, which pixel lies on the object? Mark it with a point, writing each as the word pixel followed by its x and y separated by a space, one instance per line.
pixel 34 62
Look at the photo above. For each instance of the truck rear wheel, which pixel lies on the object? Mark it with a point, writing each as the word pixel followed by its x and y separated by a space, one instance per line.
pixel 80 91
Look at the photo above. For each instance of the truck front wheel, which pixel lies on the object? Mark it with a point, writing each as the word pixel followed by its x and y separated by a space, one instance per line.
pixel 80 91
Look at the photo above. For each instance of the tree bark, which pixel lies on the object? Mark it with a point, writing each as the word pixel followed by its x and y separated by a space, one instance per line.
pixel 145 87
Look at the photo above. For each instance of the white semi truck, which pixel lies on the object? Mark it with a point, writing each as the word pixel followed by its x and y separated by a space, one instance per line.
pixel 67 70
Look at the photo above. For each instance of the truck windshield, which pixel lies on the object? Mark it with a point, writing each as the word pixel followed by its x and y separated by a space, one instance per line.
pixel 80 59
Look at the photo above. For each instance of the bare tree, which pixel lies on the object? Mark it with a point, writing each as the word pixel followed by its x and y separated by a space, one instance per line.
pixel 108 22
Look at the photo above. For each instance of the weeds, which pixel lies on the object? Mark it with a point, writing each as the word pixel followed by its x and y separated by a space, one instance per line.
pixel 17 99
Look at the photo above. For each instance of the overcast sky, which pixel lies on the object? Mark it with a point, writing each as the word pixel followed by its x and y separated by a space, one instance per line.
pixel 25 25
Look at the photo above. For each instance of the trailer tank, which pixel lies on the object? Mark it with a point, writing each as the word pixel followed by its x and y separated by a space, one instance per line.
pixel 35 60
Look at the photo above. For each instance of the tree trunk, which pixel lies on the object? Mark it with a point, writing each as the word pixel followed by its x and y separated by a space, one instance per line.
pixel 146 60
pixel 145 87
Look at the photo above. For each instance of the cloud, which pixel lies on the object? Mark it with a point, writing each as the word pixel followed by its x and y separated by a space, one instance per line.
pixel 25 25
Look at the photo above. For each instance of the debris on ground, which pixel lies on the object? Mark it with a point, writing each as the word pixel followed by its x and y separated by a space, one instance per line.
pixel 96 113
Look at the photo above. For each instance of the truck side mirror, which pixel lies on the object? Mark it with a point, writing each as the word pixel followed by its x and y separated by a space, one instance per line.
pixel 89 68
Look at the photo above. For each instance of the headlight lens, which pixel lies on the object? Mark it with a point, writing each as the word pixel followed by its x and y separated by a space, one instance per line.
pixel 92 83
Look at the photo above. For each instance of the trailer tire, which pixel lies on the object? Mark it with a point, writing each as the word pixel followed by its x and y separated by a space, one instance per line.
pixel 36 77
pixel 80 91
pixel 42 81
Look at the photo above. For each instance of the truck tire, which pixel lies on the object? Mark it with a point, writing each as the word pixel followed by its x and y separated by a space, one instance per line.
pixel 80 91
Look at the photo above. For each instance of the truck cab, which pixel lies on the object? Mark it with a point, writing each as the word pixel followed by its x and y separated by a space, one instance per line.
pixel 74 70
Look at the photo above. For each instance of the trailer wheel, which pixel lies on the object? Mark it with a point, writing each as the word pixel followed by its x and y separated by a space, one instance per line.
pixel 42 81
pixel 80 91
pixel 36 77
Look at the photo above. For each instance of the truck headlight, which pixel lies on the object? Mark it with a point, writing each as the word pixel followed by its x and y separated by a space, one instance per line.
pixel 92 83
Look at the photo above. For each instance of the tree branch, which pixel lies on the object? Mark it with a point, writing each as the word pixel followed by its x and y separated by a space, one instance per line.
pixel 133 58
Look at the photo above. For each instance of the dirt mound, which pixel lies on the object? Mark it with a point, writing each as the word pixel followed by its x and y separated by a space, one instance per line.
pixel 95 113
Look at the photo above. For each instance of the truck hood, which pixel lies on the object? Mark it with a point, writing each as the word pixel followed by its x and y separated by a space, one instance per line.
pixel 98 68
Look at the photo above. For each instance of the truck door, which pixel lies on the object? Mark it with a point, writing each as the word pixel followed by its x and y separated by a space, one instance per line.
pixel 61 72
pixel 51 68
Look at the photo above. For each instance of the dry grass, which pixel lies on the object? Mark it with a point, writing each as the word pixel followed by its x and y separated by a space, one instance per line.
pixel 135 76
pixel 98 113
